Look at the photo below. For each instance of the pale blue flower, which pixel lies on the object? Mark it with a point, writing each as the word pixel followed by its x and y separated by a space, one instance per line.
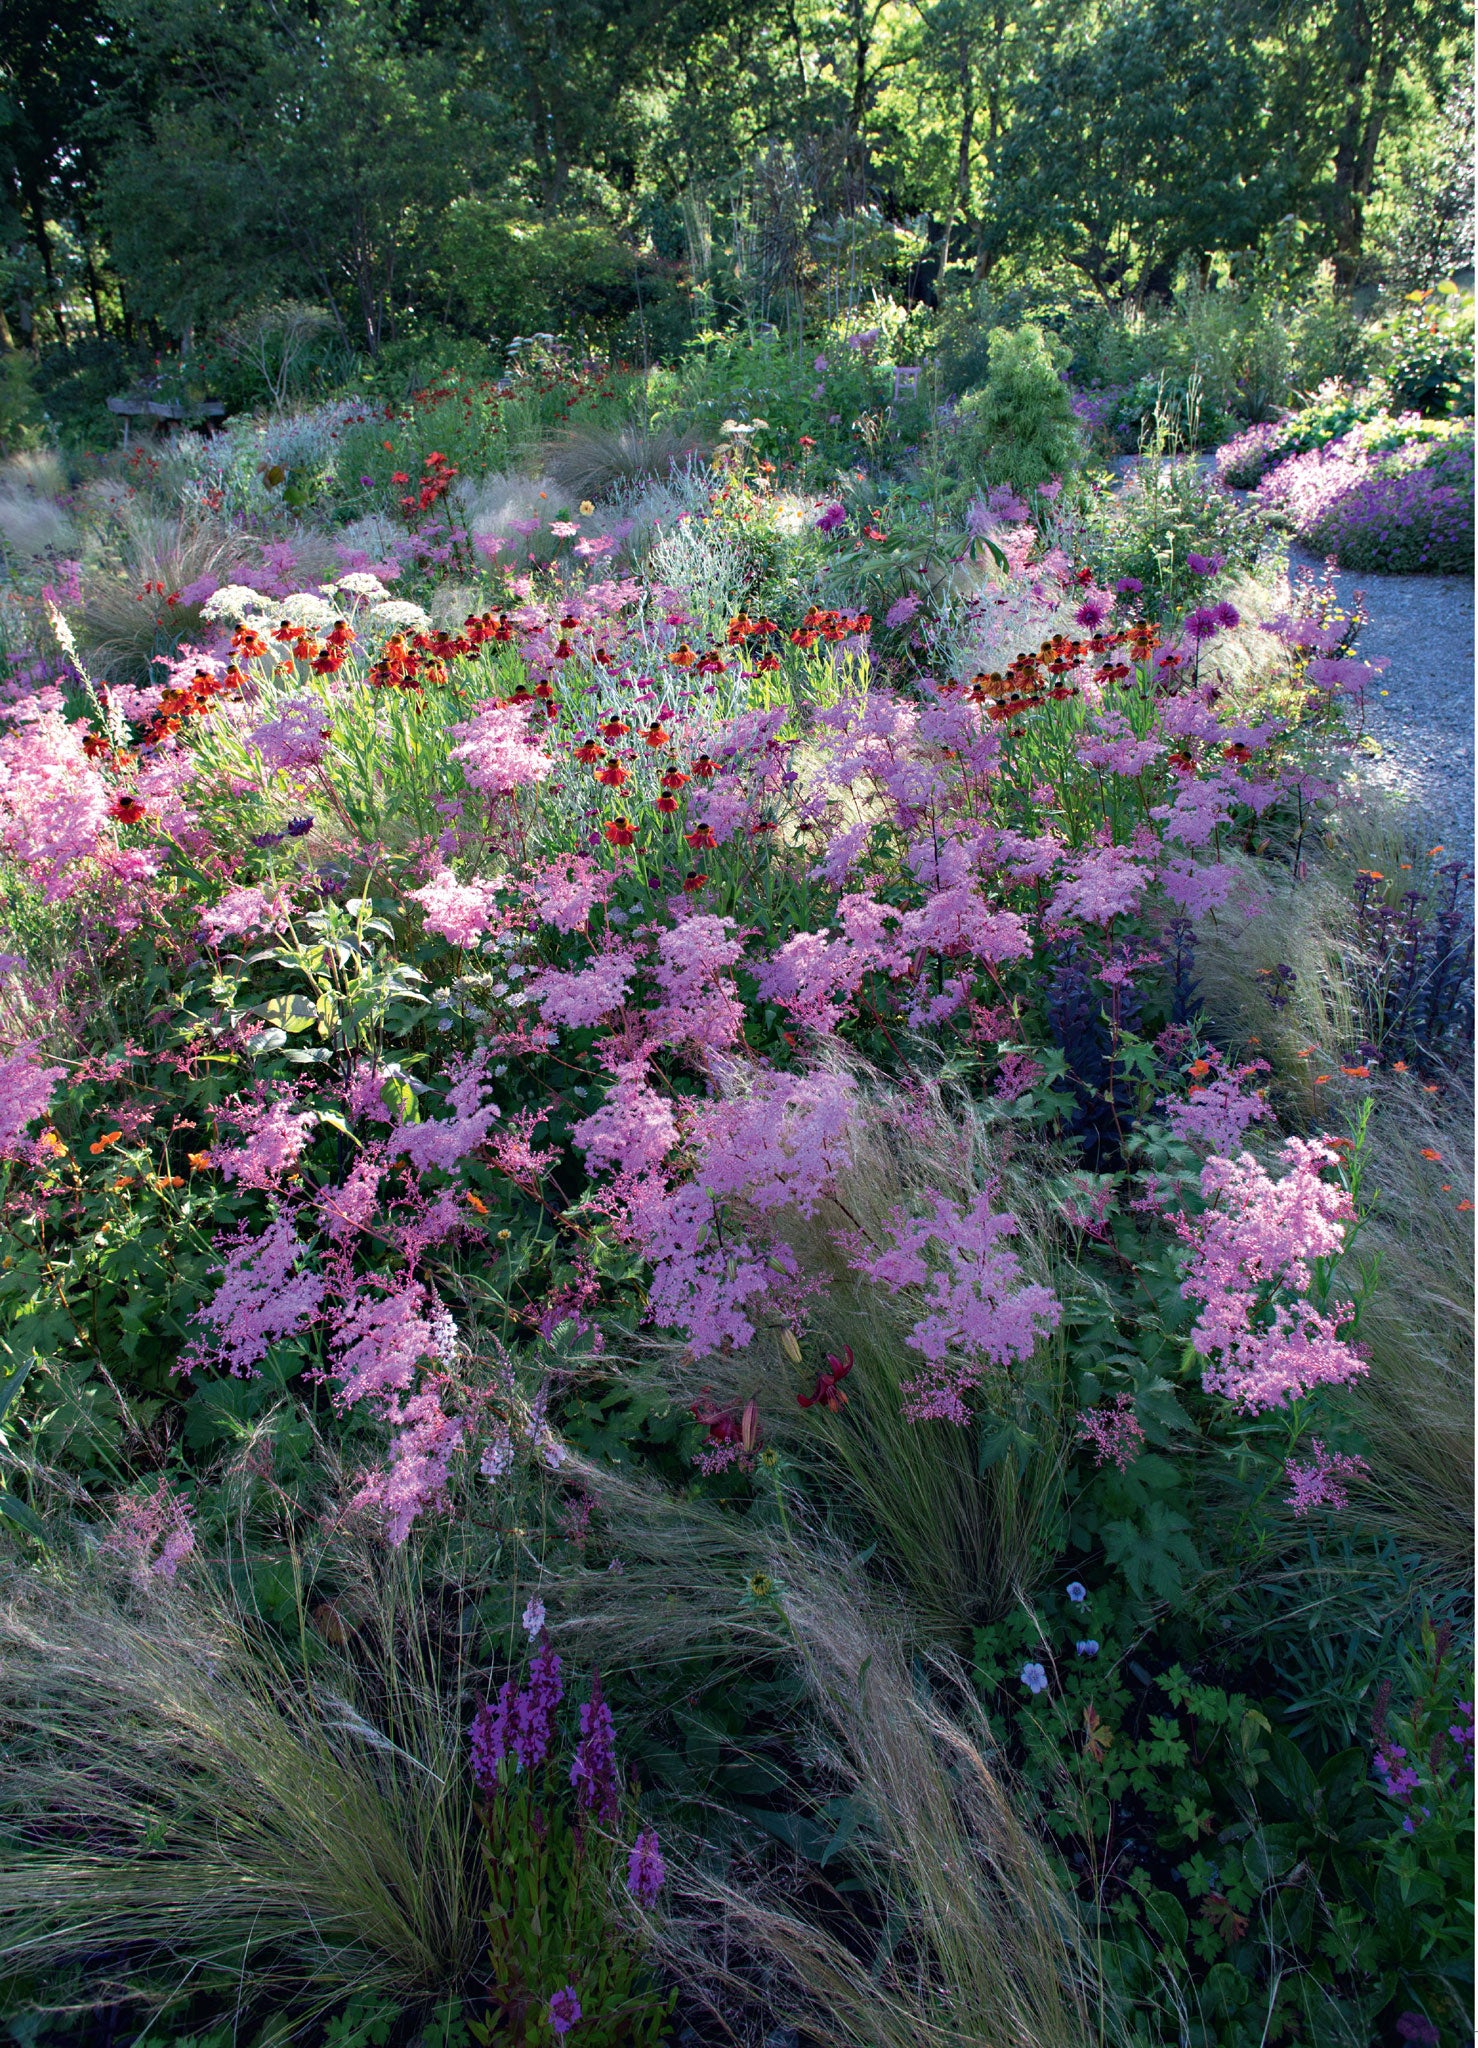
pixel 1077 1592
pixel 1087 1647
pixel 1034 1678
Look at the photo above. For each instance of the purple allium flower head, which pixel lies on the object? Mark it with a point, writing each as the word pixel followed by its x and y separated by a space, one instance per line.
pixel 1204 565
pixel 564 2009
pixel 645 1871
pixel 1227 615
pixel 1201 624
pixel 1034 1678
pixel 593 1773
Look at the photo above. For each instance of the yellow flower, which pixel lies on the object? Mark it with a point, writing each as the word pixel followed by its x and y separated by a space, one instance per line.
pixel 586 508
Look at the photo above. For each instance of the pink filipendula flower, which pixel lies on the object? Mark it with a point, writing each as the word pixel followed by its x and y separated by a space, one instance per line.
pixel 593 1772
pixel 646 1873
pixel 1263 1341
pixel 1113 1432
pixel 1105 882
pixel 459 912
pixel 379 1339
pixel 241 913
pixel 581 998
pixel 777 1147
pixel 514 1154
pixel 699 1006
pixel 633 1130
pixel 980 1313
pixel 496 751
pixel 348 1209
pixel 566 891
pixel 153 1529
pixel 263 1298
pixel 294 738
pixel 54 806
pixel 275 1141
pixel 1111 743
pixel 1324 1482
pixel 1218 1110
pixel 424 1440
pixel 26 1089
pixel 442 1141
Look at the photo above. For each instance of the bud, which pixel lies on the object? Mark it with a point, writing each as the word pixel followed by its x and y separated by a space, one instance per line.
pixel 790 1347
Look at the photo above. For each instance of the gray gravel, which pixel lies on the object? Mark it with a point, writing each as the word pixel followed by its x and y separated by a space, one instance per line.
pixel 1420 713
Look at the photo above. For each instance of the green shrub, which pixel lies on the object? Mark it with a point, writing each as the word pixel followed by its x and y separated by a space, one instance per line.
pixel 1022 424
pixel 22 423
pixel 1427 353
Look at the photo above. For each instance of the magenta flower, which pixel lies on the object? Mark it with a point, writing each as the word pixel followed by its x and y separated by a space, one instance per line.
pixel 593 1772
pixel 646 1873
pixel 833 517
pixel 564 2009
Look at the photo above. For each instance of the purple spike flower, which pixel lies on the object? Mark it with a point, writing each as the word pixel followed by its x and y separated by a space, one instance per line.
pixel 564 2009
pixel 593 1773
pixel 646 1873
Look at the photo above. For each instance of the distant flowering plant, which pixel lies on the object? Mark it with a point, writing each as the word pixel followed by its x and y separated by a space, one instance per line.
pixel 555 1833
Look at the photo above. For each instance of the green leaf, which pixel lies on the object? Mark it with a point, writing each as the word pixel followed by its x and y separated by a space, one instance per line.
pixel 13 1510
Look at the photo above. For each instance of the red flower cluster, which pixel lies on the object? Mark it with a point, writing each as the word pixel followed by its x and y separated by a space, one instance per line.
pixel 820 625
pixel 437 477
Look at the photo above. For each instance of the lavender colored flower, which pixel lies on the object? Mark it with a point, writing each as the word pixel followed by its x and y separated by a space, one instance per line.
pixel 367 483
pixel 1077 1592
pixel 1204 565
pixel 564 2009
pixel 1227 615
pixel 1201 624
pixel 1129 586
pixel 533 1617
pixel 593 1772
pixel 488 1738
pixel 646 1873
pixel 1087 1646
pixel 533 1710
pixel 1034 1678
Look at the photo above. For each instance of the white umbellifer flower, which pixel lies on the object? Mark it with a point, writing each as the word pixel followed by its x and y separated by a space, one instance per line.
pixel 235 601
pixel 397 616
pixel 304 608
pixel 360 583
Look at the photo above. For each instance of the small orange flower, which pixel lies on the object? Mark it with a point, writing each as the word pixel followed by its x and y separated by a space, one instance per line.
pixel 126 809
pixel 198 1162
pixel 1320 1079
pixel 1463 1207
pixel 473 1202
pixel 1356 1073
pixel 101 1144
pixel 620 832
pixel 1398 1067
pixel 169 1180
pixel 1428 1153
pixel 1199 1069
pixel 701 836
pixel 693 881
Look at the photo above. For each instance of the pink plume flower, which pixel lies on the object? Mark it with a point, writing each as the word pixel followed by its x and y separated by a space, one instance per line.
pixel 979 1312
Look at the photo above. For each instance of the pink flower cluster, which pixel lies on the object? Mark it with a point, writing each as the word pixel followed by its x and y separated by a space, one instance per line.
pixel 1264 1342
pixel 1324 1482
pixel 979 1312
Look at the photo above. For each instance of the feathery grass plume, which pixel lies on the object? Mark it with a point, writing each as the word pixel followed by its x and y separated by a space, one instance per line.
pixel 1415 1405
pixel 965 1936
pixel 184 1799
pixel 116 623
pixel 31 521
pixel 592 461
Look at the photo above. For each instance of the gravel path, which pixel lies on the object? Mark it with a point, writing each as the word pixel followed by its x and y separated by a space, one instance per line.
pixel 1420 714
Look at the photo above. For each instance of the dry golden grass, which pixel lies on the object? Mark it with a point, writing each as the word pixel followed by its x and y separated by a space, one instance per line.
pixel 187 1799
